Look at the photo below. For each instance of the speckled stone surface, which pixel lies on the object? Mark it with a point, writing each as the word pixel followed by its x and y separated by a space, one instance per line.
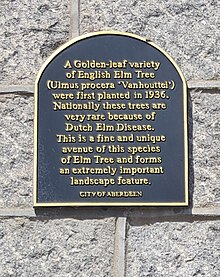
pixel 205 146
pixel 188 30
pixel 56 247
pixel 89 242
pixel 30 31
pixel 16 148
pixel 177 249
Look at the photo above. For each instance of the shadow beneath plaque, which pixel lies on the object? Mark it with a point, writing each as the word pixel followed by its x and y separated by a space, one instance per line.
pixel 136 215
pixel 190 152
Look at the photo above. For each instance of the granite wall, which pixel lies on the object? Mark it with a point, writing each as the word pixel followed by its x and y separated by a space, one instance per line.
pixel 115 242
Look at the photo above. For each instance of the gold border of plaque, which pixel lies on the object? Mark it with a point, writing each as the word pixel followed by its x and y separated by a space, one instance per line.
pixel 153 204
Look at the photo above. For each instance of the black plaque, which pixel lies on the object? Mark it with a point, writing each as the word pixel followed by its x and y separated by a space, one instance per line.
pixel 110 125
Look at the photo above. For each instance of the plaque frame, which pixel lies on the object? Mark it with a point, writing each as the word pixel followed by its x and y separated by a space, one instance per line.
pixel 110 204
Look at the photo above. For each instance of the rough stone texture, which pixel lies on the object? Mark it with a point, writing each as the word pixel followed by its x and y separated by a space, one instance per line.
pixel 79 242
pixel 173 249
pixel 188 30
pixel 16 148
pixel 56 247
pixel 206 147
pixel 30 31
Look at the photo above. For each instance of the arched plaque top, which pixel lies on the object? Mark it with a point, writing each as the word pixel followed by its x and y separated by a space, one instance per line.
pixel 110 125
pixel 103 33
